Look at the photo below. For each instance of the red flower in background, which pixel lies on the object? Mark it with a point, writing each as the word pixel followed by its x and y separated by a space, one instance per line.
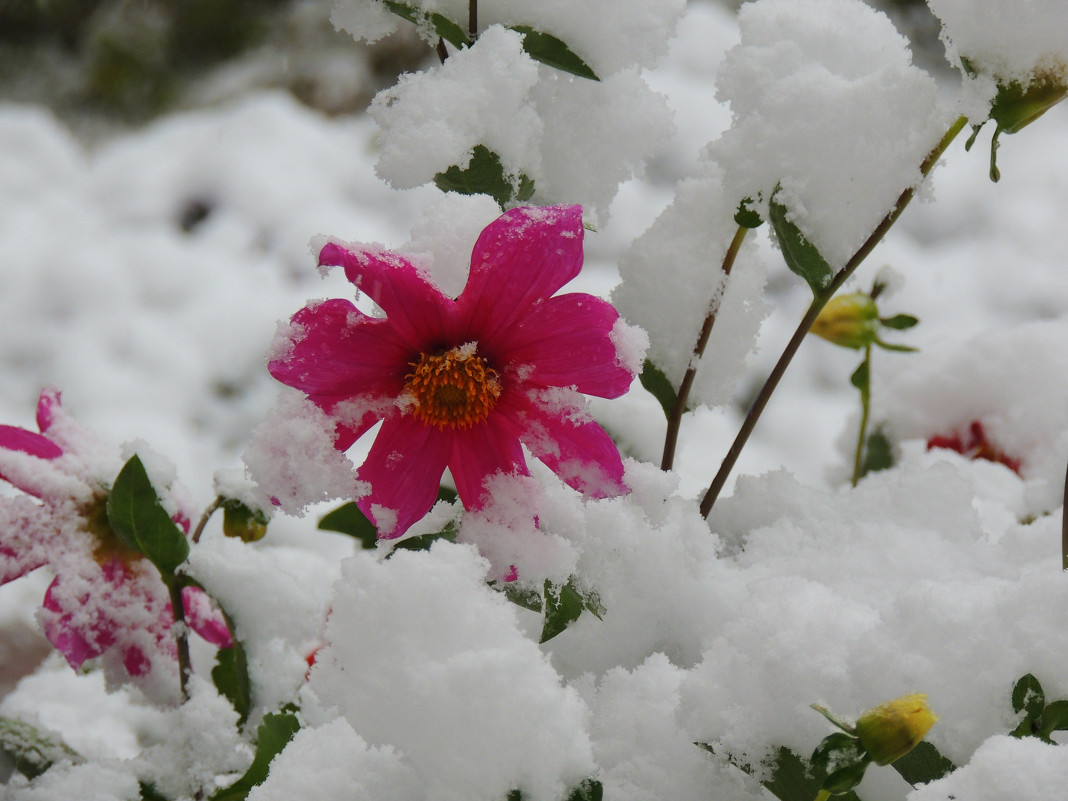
pixel 465 383
pixel 974 445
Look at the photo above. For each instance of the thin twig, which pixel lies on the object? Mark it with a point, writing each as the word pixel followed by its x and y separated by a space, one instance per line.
pixel 865 412
pixel 472 20
pixel 675 420
pixel 443 52
pixel 174 587
pixel 1064 526
pixel 204 518
pixel 818 303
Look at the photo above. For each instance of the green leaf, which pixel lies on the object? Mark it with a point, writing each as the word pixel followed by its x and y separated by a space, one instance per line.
pixel 150 793
pixel 923 764
pixel 1028 697
pixel 654 380
pixel 563 606
pixel 861 377
pixel 484 175
pixel 230 676
pixel 899 322
pixel 878 454
pixel 32 750
pixel 446 494
pixel 801 256
pixel 273 734
pixel 1054 718
pixel 140 521
pixel 589 790
pixel 424 541
pixel 348 519
pixel 524 596
pixel 553 52
pixel 845 778
pixel 443 26
pixel 835 749
pixel 792 779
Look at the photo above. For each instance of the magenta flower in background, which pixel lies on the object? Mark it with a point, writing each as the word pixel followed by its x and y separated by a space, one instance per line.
pixel 465 383
pixel 105 600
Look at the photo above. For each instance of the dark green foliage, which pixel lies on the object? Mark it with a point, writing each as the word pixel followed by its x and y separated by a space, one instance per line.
pixel 553 52
pixel 802 257
pixel 485 175
pixel 273 734
pixel 140 521
pixel 654 380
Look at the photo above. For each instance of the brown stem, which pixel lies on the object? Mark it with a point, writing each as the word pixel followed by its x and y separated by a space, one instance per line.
pixel 443 53
pixel 185 670
pixel 472 20
pixel 675 419
pixel 199 530
pixel 818 303
pixel 1064 526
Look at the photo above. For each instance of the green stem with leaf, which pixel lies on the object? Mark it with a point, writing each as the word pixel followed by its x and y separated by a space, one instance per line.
pixel 819 301
pixel 681 399
pixel 862 380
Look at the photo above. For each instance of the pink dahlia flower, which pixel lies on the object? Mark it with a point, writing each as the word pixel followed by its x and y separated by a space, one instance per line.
pixel 105 600
pixel 465 383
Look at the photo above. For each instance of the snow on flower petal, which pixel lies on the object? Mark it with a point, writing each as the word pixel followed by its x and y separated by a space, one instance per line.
pixel 105 601
pixel 465 383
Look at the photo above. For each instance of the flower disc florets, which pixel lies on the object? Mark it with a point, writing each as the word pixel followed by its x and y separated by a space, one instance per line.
pixel 454 389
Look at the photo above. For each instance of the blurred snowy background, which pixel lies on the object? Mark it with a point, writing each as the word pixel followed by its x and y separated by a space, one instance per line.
pixel 163 166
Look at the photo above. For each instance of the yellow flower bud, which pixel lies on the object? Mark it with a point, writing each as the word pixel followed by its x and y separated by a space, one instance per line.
pixel 891 730
pixel 848 320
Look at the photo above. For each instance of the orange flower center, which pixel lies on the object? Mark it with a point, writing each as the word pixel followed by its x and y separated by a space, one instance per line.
pixel 454 389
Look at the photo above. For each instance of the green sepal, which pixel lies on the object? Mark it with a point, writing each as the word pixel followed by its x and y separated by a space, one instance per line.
pixel 553 52
pixel 747 217
pixel 443 26
pixel 845 778
pixel 348 519
pixel 835 720
pixel 802 257
pixel 899 322
pixel 923 764
pixel 564 605
pixel 32 751
pixel 140 521
pixel 842 760
pixel 273 734
pixel 242 522
pixel 895 348
pixel 658 385
pixel 790 777
pixel 485 175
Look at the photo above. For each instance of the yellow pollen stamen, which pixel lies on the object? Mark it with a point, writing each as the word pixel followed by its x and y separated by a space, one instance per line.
pixel 454 389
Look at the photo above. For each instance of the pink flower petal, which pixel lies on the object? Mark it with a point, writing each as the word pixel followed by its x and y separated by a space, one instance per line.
pixel 417 311
pixel 566 341
pixel 19 439
pixel 47 403
pixel 573 446
pixel 404 468
pixel 486 449
pixel 26 537
pixel 524 256
pixel 338 352
pixel 205 619
pixel 71 637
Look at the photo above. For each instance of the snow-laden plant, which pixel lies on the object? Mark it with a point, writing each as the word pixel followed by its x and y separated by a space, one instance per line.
pixel 454 657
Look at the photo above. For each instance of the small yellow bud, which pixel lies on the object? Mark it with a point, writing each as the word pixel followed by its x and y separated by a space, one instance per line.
pixel 848 320
pixel 891 730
